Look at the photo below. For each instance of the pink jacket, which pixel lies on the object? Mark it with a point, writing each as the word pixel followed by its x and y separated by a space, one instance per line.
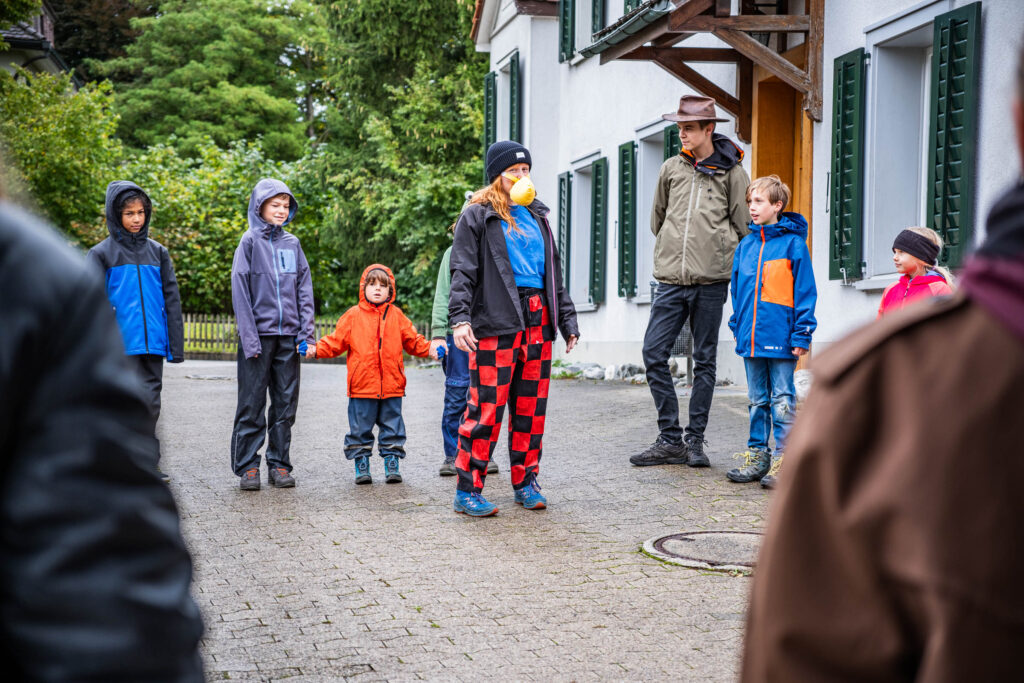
pixel 903 291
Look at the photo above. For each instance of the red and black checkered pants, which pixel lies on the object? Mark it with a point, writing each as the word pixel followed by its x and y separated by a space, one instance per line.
pixel 513 369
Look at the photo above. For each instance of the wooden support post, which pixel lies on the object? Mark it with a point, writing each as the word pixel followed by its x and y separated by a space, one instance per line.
pixel 745 93
pixel 815 36
pixel 723 8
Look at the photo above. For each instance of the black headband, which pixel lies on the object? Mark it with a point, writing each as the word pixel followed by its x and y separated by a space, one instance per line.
pixel 917 245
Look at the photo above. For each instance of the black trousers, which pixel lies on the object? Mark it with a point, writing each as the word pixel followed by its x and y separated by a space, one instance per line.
pixel 672 305
pixel 276 369
pixel 149 368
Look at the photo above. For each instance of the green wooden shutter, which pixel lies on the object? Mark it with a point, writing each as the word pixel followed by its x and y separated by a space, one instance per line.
pixel 627 219
pixel 566 30
pixel 846 207
pixel 597 16
pixel 630 5
pixel 671 141
pixel 564 222
pixel 490 110
pixel 951 139
pixel 598 228
pixel 515 106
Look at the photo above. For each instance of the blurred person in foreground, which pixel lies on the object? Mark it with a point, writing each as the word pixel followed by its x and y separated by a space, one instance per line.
pixel 94 574
pixel 893 552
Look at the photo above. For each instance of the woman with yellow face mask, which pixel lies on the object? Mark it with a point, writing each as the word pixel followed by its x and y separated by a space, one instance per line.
pixel 506 305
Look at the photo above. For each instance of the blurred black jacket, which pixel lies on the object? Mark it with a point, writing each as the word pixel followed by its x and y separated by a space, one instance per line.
pixel 94 574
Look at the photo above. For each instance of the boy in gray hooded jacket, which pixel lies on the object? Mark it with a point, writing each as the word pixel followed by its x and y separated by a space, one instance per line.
pixel 272 294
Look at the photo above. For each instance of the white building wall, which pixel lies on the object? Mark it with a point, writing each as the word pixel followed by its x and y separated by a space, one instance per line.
pixel 842 308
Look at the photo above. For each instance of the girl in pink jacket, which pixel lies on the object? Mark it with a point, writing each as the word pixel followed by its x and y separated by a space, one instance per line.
pixel 915 252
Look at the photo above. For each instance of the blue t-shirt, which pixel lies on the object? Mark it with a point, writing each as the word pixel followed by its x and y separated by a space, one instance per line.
pixel 526 251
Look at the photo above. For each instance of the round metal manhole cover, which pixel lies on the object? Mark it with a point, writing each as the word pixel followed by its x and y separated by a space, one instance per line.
pixel 724 551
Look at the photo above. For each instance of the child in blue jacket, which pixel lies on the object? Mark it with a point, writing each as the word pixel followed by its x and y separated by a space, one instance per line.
pixel 141 288
pixel 773 297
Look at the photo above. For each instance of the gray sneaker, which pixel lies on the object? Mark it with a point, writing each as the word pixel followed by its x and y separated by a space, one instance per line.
pixel 755 466
pixel 661 452
pixel 492 467
pixel 448 468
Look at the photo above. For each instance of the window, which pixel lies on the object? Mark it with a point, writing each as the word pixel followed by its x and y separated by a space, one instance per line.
pixel 913 107
pixel 583 231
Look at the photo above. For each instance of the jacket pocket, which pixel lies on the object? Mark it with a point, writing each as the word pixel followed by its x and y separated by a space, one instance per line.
pixel 777 282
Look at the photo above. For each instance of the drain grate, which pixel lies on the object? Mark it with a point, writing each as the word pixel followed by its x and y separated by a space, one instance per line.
pixel 724 551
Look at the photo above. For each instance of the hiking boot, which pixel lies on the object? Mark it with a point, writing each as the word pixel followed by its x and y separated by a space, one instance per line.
pixel 695 456
pixel 661 452
pixel 448 468
pixel 530 498
pixel 755 466
pixel 492 467
pixel 362 464
pixel 250 480
pixel 280 478
pixel 473 504
pixel 391 473
pixel 770 480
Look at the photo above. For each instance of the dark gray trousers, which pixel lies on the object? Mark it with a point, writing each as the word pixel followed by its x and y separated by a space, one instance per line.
pixel 672 305
pixel 276 369
pixel 149 368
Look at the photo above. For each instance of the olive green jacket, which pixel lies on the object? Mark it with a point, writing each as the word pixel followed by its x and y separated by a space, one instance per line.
pixel 699 216
pixel 439 314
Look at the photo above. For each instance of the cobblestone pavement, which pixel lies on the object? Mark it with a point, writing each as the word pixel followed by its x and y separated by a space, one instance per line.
pixel 332 581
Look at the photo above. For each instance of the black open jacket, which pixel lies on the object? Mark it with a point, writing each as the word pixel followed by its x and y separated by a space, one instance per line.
pixel 484 289
pixel 94 574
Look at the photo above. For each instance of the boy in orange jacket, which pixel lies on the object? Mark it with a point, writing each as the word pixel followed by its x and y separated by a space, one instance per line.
pixel 374 333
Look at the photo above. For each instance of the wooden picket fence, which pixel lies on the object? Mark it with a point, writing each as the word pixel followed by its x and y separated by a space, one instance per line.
pixel 215 336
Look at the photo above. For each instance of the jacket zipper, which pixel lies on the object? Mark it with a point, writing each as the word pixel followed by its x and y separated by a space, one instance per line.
pixel 277 283
pixel 757 294
pixel 380 341
pixel 142 300
pixel 689 216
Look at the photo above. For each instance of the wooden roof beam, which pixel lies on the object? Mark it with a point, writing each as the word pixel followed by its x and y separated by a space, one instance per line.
pixel 687 54
pixel 787 23
pixel 656 30
pixel 769 59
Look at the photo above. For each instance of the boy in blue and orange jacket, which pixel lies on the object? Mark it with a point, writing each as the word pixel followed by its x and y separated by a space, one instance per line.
pixel 142 289
pixel 773 297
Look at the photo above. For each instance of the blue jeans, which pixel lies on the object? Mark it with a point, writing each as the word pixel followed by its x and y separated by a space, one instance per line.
pixel 456 388
pixel 772 401
pixel 671 307
pixel 363 414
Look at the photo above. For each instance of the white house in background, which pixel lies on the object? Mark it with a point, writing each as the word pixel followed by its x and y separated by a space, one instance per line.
pixel 31 45
pixel 878 113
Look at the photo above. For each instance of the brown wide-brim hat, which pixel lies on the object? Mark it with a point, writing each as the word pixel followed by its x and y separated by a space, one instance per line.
pixel 694 108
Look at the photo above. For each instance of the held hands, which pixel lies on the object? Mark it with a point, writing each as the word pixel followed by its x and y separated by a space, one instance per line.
pixel 435 344
pixel 797 351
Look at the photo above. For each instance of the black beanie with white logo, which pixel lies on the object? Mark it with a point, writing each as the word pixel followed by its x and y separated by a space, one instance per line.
pixel 503 154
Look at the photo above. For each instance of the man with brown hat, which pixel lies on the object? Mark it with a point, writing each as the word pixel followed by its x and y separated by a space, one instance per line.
pixel 699 216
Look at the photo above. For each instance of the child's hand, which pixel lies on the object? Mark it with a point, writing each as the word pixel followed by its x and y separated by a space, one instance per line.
pixel 797 351
pixel 571 344
pixel 311 351
pixel 435 344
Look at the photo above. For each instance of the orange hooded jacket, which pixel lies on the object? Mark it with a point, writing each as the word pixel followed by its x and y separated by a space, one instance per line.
pixel 374 337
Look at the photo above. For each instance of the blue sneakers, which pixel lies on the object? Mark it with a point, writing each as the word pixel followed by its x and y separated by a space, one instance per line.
pixel 473 504
pixel 362 463
pixel 391 473
pixel 530 497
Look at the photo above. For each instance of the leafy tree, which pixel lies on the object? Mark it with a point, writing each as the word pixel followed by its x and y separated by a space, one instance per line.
pixel 403 135
pixel 13 11
pixel 91 31
pixel 223 69
pixel 61 144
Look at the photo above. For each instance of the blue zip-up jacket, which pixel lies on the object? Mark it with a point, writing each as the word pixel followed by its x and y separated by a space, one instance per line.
pixel 141 285
pixel 271 288
pixel 773 292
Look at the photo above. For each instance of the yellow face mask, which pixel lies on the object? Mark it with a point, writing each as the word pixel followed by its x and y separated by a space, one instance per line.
pixel 522 191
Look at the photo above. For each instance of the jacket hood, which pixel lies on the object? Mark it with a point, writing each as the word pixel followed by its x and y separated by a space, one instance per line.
pixel 363 303
pixel 726 155
pixel 114 227
pixel 264 190
pixel 789 222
